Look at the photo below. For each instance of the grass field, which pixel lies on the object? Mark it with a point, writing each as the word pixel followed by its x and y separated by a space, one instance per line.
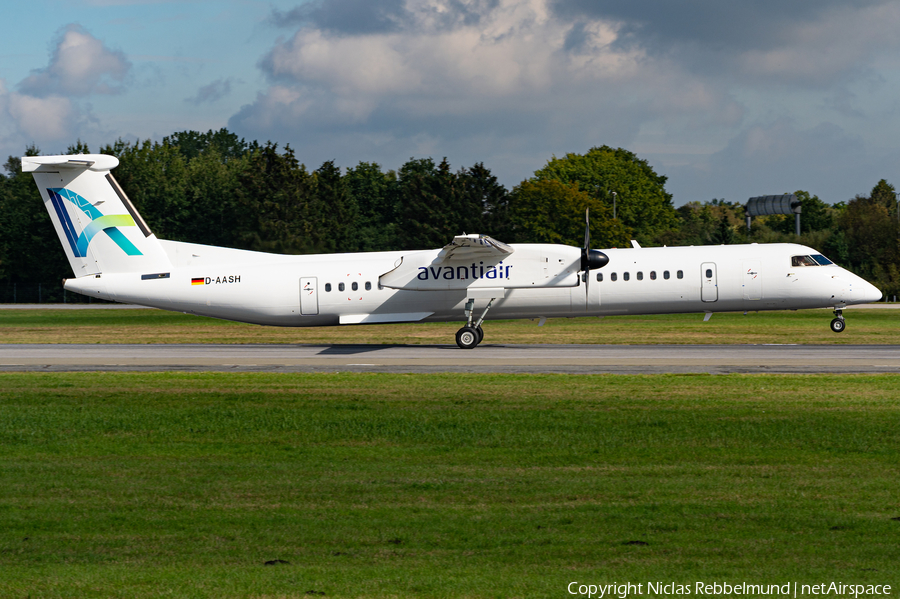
pixel 185 485
pixel 156 326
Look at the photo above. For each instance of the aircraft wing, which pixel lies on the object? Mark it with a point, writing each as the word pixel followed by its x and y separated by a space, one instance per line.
pixel 470 247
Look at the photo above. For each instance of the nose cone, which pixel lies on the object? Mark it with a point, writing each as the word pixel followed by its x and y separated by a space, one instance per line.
pixel 870 293
pixel 853 289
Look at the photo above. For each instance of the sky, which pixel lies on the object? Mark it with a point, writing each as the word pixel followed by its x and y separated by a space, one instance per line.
pixel 728 100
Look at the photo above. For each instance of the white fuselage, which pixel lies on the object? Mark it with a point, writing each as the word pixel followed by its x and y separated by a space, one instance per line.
pixel 534 281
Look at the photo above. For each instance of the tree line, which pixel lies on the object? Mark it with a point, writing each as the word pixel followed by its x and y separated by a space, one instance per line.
pixel 218 189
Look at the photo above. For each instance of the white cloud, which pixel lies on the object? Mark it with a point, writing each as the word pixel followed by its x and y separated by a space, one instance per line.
pixel 42 119
pixel 513 68
pixel 49 107
pixel 27 119
pixel 513 75
pixel 80 65
pixel 725 98
pixel 515 48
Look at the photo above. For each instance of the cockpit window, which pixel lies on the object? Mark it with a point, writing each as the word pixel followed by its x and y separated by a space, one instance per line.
pixel 822 259
pixel 803 261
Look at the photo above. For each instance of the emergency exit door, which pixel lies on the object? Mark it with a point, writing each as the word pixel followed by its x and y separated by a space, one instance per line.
pixel 309 296
pixel 709 288
pixel 752 284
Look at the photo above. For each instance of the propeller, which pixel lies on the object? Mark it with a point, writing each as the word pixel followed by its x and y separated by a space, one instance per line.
pixel 590 259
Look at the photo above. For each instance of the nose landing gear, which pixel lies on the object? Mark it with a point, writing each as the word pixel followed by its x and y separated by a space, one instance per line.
pixel 838 325
pixel 472 334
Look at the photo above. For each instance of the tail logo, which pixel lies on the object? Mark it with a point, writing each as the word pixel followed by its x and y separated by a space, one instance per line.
pixel 99 222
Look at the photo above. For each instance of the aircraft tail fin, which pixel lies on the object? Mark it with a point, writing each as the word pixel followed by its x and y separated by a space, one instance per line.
pixel 100 230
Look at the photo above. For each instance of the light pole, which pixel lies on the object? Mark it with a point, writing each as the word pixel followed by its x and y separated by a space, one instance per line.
pixel 614 205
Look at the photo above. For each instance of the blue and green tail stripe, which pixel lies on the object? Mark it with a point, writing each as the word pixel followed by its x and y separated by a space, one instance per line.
pixel 99 222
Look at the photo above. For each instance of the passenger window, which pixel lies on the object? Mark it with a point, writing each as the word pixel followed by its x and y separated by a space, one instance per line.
pixel 368 286
pixel 327 287
pixel 666 275
pixel 652 275
pixel 340 286
pixel 354 286
pixel 680 274
pixel 599 276
pixel 640 275
pixel 613 276
pixel 625 276
pixel 708 273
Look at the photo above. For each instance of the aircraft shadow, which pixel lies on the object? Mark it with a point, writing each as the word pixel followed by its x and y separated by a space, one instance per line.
pixel 347 350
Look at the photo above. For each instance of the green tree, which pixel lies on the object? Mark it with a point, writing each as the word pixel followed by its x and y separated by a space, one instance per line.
pixel 30 251
pixel 273 198
pixel 375 194
pixel 724 232
pixel 422 216
pixel 211 191
pixel 885 195
pixel 642 202
pixel 872 241
pixel 193 143
pixel 815 215
pixel 549 211
pixel 335 212
pixel 696 224
pixel 433 205
pixel 79 147
pixel 482 189
pixel 154 176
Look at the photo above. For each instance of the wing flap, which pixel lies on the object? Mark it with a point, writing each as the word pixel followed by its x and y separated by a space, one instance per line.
pixel 469 247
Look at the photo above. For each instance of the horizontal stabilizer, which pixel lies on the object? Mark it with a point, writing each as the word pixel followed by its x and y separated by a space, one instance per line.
pixel 94 162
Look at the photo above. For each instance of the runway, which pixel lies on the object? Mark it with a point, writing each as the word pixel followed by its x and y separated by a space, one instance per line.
pixel 576 359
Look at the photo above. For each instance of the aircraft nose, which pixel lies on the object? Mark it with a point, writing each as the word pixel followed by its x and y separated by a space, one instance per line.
pixel 870 293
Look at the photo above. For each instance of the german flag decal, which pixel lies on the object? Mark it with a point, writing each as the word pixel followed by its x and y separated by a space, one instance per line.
pixel 198 281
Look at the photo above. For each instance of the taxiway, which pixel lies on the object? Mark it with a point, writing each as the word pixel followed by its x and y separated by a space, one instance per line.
pixel 584 359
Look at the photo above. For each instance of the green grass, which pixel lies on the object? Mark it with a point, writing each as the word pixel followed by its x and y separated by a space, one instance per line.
pixel 156 326
pixel 184 485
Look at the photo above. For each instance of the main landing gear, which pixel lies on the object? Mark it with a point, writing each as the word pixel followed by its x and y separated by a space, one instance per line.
pixel 838 324
pixel 472 334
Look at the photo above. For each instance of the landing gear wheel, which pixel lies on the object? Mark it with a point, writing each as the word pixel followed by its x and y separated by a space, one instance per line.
pixel 838 325
pixel 480 332
pixel 467 337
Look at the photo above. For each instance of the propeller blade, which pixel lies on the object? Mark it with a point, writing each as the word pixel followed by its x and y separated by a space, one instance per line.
pixel 587 229
pixel 590 258
pixel 585 257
